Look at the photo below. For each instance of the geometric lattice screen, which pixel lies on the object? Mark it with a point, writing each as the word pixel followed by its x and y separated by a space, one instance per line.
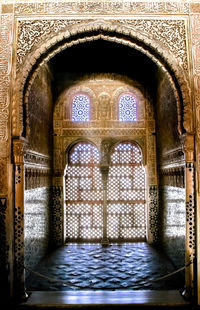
pixel 84 211
pixel 126 194
pixel 126 219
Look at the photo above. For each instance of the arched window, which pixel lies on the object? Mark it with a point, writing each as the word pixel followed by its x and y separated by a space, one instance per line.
pixel 81 108
pixel 127 108
pixel 84 213
pixel 126 194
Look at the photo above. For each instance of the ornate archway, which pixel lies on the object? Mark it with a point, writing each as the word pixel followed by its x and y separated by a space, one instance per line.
pixel 74 35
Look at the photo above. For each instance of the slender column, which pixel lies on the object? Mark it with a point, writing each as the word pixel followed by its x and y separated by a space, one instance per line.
pixel 190 238
pixel 104 171
pixel 19 273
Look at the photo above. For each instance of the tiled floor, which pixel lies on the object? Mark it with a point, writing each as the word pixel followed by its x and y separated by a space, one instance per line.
pixel 131 266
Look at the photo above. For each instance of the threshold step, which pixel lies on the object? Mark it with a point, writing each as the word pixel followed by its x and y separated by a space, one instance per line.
pixel 104 299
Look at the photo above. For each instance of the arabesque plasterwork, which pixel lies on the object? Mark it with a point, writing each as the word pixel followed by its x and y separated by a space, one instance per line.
pixel 100 7
pixel 170 33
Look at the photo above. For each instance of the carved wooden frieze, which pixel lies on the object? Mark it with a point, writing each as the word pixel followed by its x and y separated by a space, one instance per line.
pixel 170 33
pixel 102 7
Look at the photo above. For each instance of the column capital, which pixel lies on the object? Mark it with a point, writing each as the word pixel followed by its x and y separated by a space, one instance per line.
pixel 188 146
pixel 19 149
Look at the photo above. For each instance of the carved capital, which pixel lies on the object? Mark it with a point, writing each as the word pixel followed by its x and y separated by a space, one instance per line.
pixel 19 149
pixel 188 146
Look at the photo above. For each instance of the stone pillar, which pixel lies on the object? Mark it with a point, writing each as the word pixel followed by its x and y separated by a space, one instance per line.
pixel 190 237
pixel 104 171
pixel 19 272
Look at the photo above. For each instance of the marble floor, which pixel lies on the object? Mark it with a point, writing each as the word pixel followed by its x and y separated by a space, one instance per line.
pixel 128 266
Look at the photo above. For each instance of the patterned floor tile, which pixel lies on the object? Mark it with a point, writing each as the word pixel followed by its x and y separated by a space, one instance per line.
pixel 91 266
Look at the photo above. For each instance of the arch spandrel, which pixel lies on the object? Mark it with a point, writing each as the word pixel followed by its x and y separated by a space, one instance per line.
pixel 106 30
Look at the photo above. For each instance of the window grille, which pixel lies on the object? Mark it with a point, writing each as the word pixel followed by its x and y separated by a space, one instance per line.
pixel 126 194
pixel 84 211
pixel 81 108
pixel 127 108
pixel 125 200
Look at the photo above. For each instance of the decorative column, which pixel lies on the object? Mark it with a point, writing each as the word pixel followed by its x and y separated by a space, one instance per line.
pixel 105 171
pixel 105 160
pixel 19 147
pixel 190 238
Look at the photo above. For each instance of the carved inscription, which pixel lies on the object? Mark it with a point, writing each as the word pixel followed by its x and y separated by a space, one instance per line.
pixel 5 62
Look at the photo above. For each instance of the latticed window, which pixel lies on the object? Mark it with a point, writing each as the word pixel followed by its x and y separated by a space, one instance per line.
pixel 127 108
pixel 126 194
pixel 81 108
pixel 125 198
pixel 84 213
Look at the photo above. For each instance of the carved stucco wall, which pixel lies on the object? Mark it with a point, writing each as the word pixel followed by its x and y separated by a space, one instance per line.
pixel 39 112
pixel 37 196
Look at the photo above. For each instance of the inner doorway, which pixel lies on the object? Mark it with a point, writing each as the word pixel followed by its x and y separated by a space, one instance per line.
pixel 125 203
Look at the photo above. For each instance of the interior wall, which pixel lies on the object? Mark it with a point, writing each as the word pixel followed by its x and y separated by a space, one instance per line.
pixel 171 174
pixel 38 169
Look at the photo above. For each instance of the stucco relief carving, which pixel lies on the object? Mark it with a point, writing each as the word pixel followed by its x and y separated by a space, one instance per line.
pixel 104 106
pixel 5 67
pixel 31 32
pixel 170 33
pixel 103 7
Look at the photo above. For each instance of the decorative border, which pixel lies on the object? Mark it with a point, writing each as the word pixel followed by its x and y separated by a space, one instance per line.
pixel 102 7
pixel 5 67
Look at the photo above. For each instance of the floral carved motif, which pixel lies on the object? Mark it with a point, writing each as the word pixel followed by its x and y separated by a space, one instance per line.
pixel 103 7
pixel 31 32
pixel 170 34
